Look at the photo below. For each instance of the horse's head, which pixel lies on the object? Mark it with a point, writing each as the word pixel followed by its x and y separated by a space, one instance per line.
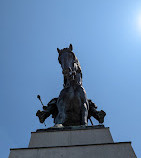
pixel 68 61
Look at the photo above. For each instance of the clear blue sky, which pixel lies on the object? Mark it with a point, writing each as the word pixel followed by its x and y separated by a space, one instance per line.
pixel 106 36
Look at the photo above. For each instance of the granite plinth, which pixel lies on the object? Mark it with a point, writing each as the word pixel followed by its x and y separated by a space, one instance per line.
pixel 77 135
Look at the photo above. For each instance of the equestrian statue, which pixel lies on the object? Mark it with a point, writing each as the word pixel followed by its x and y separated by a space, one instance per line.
pixel 71 108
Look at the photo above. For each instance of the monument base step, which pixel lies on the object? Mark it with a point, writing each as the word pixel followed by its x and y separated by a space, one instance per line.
pixel 107 150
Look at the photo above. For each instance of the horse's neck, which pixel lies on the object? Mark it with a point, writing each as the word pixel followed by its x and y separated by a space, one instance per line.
pixel 77 80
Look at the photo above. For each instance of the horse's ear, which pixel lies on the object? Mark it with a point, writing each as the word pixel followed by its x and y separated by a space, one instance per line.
pixel 70 47
pixel 58 50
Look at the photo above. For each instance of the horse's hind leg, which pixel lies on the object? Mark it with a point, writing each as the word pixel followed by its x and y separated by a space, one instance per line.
pixel 84 106
pixel 60 119
pixel 84 114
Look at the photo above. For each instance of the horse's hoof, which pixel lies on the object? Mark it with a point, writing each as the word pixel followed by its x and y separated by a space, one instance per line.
pixel 58 126
pixel 84 125
pixel 101 116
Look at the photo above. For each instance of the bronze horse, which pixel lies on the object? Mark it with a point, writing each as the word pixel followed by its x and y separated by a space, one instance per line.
pixel 71 108
pixel 72 103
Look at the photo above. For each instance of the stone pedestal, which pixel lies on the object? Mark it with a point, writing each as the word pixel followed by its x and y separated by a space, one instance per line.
pixel 74 142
